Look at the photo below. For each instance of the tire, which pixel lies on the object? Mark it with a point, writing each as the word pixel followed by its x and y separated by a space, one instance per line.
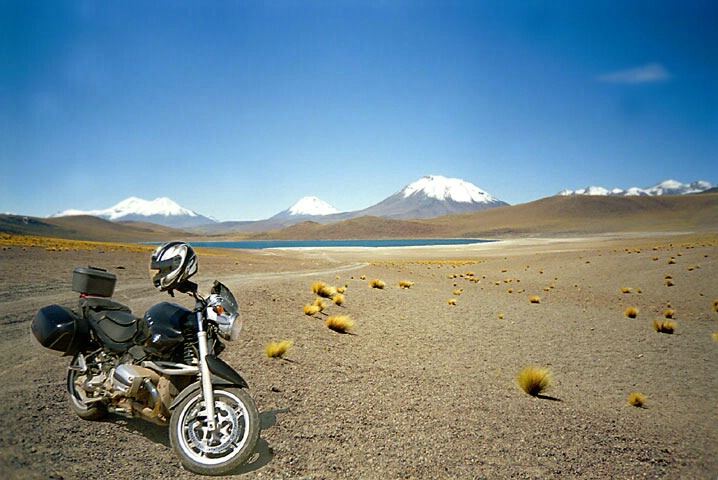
pixel 229 446
pixel 86 411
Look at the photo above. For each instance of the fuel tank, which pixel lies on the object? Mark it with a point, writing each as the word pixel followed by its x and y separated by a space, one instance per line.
pixel 166 322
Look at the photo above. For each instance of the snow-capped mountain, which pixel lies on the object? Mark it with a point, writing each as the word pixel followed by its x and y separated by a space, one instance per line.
pixel 667 187
pixel 162 211
pixel 307 207
pixel 433 196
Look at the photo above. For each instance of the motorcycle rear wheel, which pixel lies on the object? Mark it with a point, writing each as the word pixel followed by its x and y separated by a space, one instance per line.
pixel 222 451
pixel 84 410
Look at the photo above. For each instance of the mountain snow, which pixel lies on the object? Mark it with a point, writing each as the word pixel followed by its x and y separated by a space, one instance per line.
pixel 442 188
pixel 312 206
pixel 135 206
pixel 667 187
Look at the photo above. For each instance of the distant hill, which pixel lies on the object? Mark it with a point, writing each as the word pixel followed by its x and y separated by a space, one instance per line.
pixel 552 216
pixel 161 211
pixel 667 187
pixel 433 196
pixel 86 227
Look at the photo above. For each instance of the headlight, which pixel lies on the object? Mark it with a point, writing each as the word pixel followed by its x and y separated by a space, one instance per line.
pixel 222 308
pixel 229 326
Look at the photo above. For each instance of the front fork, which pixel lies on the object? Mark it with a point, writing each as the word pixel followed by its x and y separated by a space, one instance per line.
pixel 207 391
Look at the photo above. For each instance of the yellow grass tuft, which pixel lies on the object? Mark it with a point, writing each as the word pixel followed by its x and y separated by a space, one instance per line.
pixel 376 283
pixel 715 305
pixel 535 299
pixel 669 313
pixel 338 299
pixel 277 350
pixel 631 312
pixel 715 337
pixel 534 380
pixel 501 316
pixel 626 290
pixel 456 292
pixel 669 283
pixel 327 291
pixel 340 323
pixel 405 284
pixel 664 327
pixel 319 303
pixel 451 301
pixel 637 400
pixel 311 310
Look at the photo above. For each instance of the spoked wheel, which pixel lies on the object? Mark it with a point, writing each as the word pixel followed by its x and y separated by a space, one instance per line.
pixel 229 445
pixel 78 404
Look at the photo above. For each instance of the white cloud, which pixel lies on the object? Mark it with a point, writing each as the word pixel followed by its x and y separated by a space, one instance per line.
pixel 651 73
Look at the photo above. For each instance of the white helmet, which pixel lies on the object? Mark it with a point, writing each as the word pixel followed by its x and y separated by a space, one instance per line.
pixel 175 262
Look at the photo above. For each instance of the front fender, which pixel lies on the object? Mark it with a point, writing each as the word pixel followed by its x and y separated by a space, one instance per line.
pixel 197 387
pixel 223 376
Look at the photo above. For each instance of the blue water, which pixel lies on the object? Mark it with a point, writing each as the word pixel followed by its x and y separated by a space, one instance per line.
pixel 258 245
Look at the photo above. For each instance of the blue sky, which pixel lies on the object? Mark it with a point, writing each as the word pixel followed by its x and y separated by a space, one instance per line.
pixel 237 109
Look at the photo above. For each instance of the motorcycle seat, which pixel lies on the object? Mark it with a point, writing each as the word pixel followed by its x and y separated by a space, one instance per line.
pixel 115 325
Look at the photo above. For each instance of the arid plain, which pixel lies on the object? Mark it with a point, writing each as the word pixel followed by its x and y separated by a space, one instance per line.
pixel 419 388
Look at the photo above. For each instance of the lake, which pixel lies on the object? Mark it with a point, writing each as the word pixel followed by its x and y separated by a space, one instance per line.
pixel 259 245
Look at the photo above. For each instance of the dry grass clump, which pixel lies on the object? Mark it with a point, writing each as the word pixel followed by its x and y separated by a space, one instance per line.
pixel 631 312
pixel 277 350
pixel 637 400
pixel 534 380
pixel 451 301
pixel 626 290
pixel 340 323
pixel 669 313
pixel 376 283
pixel 311 310
pixel 405 284
pixel 669 283
pixel 715 305
pixel 338 299
pixel 715 337
pixel 323 290
pixel 664 326
pixel 535 299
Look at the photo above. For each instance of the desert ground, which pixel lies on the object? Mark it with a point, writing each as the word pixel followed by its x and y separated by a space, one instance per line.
pixel 419 388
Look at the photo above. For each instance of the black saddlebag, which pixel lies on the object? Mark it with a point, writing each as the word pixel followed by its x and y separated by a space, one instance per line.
pixel 115 325
pixel 60 329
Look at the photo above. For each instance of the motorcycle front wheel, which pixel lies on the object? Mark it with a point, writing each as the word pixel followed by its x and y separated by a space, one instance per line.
pixel 232 442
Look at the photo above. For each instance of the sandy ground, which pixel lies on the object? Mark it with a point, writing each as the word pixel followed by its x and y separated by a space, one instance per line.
pixel 420 388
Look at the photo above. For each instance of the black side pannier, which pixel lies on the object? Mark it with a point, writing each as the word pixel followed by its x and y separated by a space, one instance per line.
pixel 60 329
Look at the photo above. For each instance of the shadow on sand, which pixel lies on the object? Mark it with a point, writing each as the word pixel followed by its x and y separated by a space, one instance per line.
pixel 263 453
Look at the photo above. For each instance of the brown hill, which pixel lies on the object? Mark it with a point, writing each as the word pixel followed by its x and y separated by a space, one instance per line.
pixel 576 215
pixel 84 227
pixel 583 215
pixel 552 216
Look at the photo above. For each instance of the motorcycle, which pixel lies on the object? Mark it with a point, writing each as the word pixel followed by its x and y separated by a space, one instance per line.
pixel 163 367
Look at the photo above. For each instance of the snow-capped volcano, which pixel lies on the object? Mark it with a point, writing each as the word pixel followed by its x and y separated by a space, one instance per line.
pixel 451 189
pixel 667 187
pixel 433 196
pixel 307 207
pixel 162 211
